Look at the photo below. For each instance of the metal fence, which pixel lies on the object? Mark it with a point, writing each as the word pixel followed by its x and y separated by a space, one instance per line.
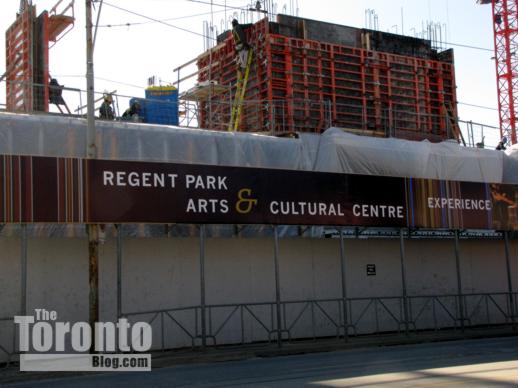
pixel 246 323
pixel 7 339
pixel 281 321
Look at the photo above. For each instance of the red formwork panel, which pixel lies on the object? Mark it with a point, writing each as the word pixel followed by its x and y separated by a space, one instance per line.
pixel 300 85
pixel 18 54
pixel 27 63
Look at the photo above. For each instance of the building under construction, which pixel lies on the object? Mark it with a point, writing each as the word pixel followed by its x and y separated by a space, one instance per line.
pixel 307 76
pixel 220 238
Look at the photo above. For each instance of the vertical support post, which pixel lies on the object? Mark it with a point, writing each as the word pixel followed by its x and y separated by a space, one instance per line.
pixel 119 271
pixel 272 117
pixel 345 316
pixel 277 285
pixel 91 148
pixel 403 277
pixel 23 241
pixel 91 152
pixel 459 280
pixel 202 288
pixel 509 278
pixel 93 276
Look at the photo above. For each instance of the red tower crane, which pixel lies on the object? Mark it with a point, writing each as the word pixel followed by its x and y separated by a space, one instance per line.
pixel 505 27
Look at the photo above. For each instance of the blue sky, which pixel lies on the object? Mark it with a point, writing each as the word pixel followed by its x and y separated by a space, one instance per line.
pixel 125 56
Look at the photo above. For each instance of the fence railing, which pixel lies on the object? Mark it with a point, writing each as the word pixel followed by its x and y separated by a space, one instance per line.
pixel 7 340
pixel 280 116
pixel 246 323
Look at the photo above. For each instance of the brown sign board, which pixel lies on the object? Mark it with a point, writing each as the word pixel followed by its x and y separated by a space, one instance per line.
pixel 71 190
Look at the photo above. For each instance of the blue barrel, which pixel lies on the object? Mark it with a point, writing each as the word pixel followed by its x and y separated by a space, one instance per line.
pixel 161 105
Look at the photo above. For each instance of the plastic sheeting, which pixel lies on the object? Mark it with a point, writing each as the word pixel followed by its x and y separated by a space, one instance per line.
pixel 339 151
pixel 333 151
pixel 47 135
pixel 511 165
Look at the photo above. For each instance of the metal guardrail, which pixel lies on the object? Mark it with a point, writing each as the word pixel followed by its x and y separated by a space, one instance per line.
pixel 398 123
pixel 243 323
pixel 7 349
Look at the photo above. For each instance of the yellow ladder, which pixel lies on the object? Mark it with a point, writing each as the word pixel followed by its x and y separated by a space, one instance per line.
pixel 453 122
pixel 237 106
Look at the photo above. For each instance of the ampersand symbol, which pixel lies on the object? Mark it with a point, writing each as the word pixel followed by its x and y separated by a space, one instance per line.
pixel 245 204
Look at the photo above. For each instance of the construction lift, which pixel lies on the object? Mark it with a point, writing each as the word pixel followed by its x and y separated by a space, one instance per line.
pixel 505 28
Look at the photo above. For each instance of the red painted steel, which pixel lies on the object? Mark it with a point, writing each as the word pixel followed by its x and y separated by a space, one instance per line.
pixel 505 25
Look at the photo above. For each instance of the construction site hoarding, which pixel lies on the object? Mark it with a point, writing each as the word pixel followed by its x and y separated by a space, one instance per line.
pixel 73 190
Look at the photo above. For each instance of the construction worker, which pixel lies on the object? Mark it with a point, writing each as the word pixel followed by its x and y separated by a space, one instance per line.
pixel 55 92
pixel 132 113
pixel 106 110
pixel 240 44
pixel 501 145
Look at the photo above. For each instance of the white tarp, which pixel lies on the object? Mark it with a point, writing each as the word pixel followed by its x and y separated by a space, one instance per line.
pixel 333 151
pixel 344 152
pixel 511 165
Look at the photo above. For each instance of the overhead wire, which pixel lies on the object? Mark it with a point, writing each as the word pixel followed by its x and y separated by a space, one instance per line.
pixel 227 6
pixel 477 106
pixel 164 21
pixel 99 78
pixel 156 20
pixel 218 5
pixel 469 46
pixel 159 21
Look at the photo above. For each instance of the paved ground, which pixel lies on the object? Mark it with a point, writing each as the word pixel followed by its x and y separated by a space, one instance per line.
pixel 473 363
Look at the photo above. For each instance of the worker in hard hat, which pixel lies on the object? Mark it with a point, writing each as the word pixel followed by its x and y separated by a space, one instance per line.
pixel 133 112
pixel 501 145
pixel 240 43
pixel 106 110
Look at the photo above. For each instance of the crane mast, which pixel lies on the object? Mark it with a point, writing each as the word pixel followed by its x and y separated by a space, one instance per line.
pixel 505 28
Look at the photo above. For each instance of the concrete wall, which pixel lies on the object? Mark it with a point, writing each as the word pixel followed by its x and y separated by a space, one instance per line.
pixel 163 273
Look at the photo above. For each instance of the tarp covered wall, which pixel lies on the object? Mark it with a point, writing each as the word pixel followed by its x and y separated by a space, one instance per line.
pixel 334 151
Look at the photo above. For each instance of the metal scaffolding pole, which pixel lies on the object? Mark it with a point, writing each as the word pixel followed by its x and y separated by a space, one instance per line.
pixel 23 270
pixel 277 285
pixel 459 280
pixel 509 278
pixel 345 315
pixel 403 277
pixel 202 288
